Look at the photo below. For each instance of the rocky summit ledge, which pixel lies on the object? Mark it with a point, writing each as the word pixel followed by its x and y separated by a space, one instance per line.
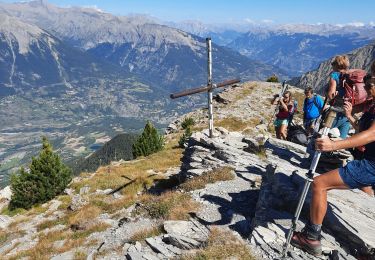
pixel 262 215
pixel 256 206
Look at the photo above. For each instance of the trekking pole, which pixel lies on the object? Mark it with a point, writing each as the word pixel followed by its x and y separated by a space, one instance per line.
pixel 284 87
pixel 310 175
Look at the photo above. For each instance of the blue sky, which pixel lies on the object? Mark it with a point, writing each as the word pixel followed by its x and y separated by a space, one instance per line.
pixel 224 11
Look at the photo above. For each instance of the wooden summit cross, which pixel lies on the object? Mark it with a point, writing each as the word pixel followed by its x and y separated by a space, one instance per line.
pixel 209 88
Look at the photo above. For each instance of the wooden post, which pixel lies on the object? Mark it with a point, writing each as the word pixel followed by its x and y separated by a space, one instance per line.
pixel 209 84
pixel 209 88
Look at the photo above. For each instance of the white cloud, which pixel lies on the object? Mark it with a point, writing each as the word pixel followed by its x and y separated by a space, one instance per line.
pixel 267 21
pixel 95 7
pixel 354 24
pixel 248 20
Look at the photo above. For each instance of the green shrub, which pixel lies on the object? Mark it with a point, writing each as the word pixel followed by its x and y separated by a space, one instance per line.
pixel 47 177
pixel 188 122
pixel 273 78
pixel 185 137
pixel 149 142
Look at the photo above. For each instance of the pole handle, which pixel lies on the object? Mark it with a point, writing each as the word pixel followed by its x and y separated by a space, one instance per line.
pixel 329 119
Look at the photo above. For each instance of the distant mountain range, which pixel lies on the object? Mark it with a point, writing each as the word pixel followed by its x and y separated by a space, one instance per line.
pixel 163 56
pixel 295 48
pixel 360 58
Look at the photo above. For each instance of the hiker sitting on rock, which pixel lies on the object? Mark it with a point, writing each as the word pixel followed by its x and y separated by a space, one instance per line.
pixel 282 118
pixel 312 106
pixel 340 65
pixel 356 174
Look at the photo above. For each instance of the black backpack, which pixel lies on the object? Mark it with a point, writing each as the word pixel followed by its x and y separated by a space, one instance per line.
pixel 297 134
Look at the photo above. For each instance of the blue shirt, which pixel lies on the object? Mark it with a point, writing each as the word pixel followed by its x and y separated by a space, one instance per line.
pixel 312 108
pixel 336 77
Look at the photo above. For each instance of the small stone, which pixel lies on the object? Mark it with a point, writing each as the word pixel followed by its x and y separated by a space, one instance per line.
pixel 84 190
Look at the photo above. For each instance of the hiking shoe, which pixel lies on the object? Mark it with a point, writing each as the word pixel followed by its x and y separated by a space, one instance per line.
pixel 311 246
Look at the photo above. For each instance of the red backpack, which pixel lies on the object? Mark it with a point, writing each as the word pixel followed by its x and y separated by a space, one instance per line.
pixel 353 83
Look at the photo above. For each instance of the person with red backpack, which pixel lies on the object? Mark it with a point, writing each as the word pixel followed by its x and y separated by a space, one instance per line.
pixel 345 84
pixel 340 65
pixel 356 174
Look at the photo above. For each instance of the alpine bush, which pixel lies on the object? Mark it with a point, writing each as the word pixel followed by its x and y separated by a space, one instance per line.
pixel 273 78
pixel 188 122
pixel 47 178
pixel 149 142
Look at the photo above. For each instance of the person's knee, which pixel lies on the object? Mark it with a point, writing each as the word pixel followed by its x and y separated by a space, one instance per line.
pixel 319 185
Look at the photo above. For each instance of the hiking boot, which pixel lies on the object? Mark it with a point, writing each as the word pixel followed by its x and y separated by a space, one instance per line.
pixel 306 243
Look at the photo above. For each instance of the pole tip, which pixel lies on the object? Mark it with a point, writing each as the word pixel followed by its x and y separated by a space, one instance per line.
pixel 208 39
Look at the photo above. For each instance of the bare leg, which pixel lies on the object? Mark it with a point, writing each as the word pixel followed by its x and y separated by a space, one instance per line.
pixel 277 129
pixel 368 190
pixel 322 184
pixel 283 132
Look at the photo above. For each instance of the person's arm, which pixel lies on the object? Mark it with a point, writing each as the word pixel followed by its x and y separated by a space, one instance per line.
pixel 274 100
pixel 331 88
pixel 360 139
pixel 348 108
pixel 283 105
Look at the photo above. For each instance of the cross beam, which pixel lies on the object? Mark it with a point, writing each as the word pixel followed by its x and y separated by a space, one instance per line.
pixel 209 88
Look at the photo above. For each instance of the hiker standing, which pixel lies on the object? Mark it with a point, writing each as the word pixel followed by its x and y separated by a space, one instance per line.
pixel 312 106
pixel 286 108
pixel 356 174
pixel 340 65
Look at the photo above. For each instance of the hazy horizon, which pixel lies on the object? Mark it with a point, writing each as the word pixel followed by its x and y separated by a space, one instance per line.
pixel 270 12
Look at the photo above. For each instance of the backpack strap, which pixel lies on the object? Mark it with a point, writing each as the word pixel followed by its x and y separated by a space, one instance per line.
pixel 316 103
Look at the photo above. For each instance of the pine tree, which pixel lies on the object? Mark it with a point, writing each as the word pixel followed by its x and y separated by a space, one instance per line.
pixel 149 142
pixel 185 137
pixel 47 177
pixel 273 78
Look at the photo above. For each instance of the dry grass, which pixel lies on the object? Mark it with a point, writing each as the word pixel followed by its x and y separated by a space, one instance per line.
pixel 80 255
pixel 66 201
pixel 109 205
pixel 98 227
pixel 237 124
pixel 222 245
pixel 84 216
pixel 245 91
pixel 145 233
pixel 18 220
pixel 12 213
pixel 3 236
pixel 168 205
pixel 44 249
pixel 219 174
pixel 36 210
pixel 232 124
pixel 51 223
pixel 123 174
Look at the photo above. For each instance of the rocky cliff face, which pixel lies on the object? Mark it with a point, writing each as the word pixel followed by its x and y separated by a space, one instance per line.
pixel 360 58
pixel 102 215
